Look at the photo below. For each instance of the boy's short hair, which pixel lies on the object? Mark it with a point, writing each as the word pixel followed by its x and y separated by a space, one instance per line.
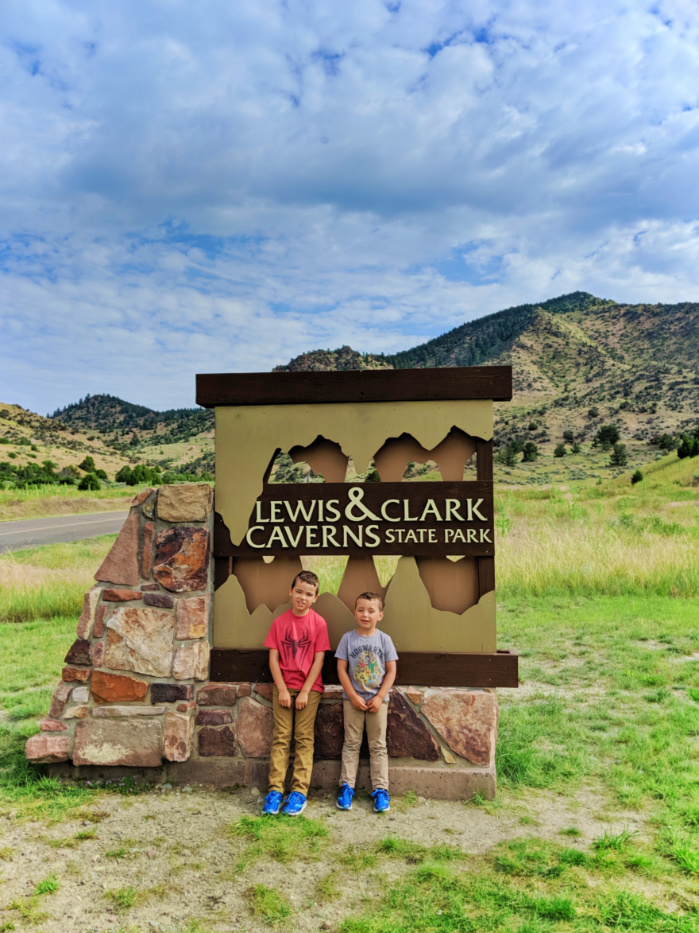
pixel 306 576
pixel 369 595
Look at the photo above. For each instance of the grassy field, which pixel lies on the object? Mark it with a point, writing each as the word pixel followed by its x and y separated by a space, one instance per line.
pixel 44 501
pixel 598 592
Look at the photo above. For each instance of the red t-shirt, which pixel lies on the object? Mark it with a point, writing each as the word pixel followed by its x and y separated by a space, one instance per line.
pixel 297 639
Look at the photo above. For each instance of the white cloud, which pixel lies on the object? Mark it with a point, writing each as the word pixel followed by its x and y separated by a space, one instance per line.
pixel 192 187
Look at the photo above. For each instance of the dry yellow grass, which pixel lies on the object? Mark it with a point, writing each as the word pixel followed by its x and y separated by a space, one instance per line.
pixel 49 581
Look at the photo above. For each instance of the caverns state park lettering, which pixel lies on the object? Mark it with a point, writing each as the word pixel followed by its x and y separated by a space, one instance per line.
pixel 423 519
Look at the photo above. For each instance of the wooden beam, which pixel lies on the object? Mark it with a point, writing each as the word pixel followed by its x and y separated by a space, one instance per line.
pixel 500 669
pixel 374 385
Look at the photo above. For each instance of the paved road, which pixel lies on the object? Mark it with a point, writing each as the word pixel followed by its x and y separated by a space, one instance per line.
pixel 34 531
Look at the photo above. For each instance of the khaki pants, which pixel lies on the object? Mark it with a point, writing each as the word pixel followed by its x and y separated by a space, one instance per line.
pixel 355 720
pixel 299 724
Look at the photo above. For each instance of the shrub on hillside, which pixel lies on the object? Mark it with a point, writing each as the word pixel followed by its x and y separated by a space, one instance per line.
pixel 619 456
pixel 636 477
pixel 560 450
pixel 88 465
pixel 530 452
pixel 606 437
pixel 89 482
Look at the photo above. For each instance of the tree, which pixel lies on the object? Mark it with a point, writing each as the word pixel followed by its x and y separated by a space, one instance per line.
pixel 576 448
pixel 636 477
pixel 508 456
pixel 685 448
pixel 101 474
pixel 560 450
pixel 606 437
pixel 89 481
pixel 568 436
pixel 619 457
pixel 88 465
pixel 530 452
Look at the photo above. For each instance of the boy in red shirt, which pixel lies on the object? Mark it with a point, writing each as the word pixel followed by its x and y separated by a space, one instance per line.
pixel 297 643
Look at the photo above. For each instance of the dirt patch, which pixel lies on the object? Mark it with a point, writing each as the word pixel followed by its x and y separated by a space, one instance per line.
pixel 174 850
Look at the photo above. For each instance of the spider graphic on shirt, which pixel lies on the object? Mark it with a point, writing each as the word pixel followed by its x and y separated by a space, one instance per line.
pixel 296 646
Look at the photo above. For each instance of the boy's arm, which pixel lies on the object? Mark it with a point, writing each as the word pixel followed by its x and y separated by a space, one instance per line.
pixel 284 695
pixel 374 704
pixel 356 701
pixel 316 667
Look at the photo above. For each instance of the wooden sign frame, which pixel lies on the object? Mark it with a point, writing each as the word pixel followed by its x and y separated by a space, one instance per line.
pixel 489 668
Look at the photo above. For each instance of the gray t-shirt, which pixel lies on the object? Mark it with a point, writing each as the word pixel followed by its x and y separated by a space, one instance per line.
pixel 366 657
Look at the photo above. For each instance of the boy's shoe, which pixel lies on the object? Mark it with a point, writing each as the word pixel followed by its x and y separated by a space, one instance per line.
pixel 382 801
pixel 295 804
pixel 273 802
pixel 344 800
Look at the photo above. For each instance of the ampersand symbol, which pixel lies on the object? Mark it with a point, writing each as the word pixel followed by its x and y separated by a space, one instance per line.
pixel 356 494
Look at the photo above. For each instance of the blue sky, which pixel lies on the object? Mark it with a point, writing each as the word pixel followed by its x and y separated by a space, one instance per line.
pixel 214 186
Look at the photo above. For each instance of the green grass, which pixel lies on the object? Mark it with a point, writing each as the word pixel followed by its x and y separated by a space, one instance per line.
pixel 269 905
pixel 49 582
pixel 284 841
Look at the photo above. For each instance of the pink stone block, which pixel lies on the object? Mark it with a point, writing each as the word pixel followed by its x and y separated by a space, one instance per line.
pixel 214 717
pixel 265 690
pixel 141 497
pixel 177 737
pixel 97 653
pixel 192 617
pixel 52 725
pixel 120 566
pixel 217 695
pixel 87 617
pixel 191 661
pixel 100 619
pixel 59 699
pixel 147 553
pixel 255 727
pixel 130 742
pixel 217 743
pixel 76 673
pixel 47 747
pixel 415 695
pixel 467 721
pixel 111 595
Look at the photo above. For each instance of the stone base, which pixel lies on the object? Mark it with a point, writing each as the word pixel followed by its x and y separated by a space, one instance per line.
pixel 435 780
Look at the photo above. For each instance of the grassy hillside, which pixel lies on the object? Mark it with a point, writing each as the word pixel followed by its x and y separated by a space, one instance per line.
pixel 579 362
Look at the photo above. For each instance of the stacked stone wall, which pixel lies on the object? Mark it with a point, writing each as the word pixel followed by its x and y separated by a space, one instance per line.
pixel 135 692
pixel 127 691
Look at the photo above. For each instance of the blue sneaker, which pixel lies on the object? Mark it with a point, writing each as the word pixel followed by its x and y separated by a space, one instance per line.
pixel 295 804
pixel 273 802
pixel 344 800
pixel 382 801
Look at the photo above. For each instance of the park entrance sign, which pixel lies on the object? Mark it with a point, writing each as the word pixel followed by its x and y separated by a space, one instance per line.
pixel 427 547
pixel 168 678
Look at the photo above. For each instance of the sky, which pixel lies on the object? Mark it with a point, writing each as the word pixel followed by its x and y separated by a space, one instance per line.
pixel 220 186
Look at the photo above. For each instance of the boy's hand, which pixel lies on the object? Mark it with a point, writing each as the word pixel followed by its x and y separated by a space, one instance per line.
pixel 374 704
pixel 359 703
pixel 285 699
pixel 302 699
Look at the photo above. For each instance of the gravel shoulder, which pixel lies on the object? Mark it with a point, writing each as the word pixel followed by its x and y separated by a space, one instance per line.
pixel 174 849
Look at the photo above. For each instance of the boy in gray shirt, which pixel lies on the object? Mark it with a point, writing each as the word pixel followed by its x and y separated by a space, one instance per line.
pixel 366 666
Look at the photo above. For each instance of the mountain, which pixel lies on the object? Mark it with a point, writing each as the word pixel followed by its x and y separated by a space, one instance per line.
pixel 578 362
